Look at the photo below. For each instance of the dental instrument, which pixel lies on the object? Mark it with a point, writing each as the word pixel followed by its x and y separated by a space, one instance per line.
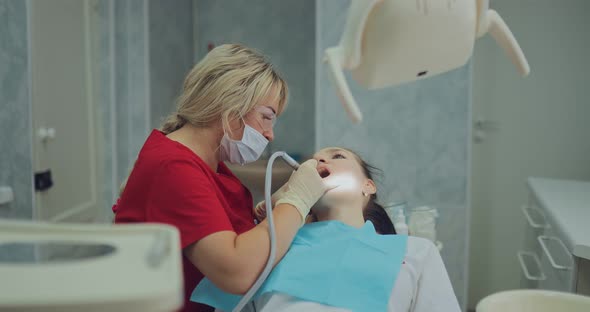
pixel 389 42
pixel 271 227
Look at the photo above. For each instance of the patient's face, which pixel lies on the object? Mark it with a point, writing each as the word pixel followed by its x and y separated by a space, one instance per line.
pixel 340 168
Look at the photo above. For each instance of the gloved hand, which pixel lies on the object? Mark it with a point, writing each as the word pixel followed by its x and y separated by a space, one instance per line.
pixel 304 188
pixel 260 208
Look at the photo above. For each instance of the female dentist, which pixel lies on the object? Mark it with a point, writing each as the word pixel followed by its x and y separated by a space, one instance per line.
pixel 226 112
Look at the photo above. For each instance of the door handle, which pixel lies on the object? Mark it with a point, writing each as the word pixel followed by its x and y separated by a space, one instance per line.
pixel 485 125
pixel 46 134
pixel 481 126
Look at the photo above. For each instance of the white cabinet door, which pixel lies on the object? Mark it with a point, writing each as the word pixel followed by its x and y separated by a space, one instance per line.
pixel 64 122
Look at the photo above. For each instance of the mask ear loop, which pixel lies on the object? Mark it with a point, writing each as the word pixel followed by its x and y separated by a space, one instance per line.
pixel 242 128
pixel 229 133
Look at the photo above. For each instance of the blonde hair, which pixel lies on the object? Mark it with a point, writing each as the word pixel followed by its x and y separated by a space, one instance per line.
pixel 228 83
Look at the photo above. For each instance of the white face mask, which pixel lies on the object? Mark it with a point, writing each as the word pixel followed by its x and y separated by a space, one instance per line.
pixel 244 151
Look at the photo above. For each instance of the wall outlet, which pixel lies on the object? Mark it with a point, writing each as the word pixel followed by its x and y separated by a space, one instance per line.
pixel 6 195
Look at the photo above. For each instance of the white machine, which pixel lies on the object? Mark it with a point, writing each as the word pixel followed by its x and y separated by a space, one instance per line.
pixel 389 42
pixel 83 267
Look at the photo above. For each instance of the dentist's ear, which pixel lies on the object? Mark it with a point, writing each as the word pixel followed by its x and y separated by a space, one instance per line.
pixel 369 187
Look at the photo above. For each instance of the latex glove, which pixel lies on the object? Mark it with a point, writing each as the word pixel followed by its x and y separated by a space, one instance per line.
pixel 260 208
pixel 304 188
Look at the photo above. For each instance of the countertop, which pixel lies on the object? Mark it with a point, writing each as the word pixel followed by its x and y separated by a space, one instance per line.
pixel 567 203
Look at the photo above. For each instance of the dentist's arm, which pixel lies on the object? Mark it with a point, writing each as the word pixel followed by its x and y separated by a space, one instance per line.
pixel 233 262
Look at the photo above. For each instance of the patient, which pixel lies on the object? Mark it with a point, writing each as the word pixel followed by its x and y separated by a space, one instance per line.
pixel 339 262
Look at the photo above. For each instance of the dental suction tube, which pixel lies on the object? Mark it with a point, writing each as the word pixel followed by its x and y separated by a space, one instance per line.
pixel 289 160
pixel 271 228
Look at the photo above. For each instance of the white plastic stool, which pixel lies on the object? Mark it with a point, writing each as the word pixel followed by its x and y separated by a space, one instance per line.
pixel 533 301
pixel 89 267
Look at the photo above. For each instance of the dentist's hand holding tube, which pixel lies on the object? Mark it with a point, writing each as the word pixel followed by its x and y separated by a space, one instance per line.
pixel 302 191
pixel 260 208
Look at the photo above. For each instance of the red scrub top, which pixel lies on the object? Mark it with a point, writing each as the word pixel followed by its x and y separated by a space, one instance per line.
pixel 171 184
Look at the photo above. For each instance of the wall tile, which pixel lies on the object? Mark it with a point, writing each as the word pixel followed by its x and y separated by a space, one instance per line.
pixel 130 81
pixel 15 118
pixel 15 110
pixel 144 82
pixel 171 54
pixel 101 21
pixel 285 32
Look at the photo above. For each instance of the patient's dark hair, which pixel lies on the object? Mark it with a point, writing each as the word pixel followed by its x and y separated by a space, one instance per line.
pixel 374 212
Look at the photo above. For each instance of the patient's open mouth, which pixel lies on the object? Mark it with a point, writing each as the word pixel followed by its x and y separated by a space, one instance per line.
pixel 323 172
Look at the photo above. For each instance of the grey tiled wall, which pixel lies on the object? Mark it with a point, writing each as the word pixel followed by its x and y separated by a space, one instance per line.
pixel 15 119
pixel 416 133
pixel 15 110
pixel 102 21
pixel 285 32
pixel 171 53
pixel 131 81
pixel 144 51
pixel 122 75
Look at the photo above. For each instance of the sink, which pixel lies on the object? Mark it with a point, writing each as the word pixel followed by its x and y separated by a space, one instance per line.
pixel 125 267
pixel 53 251
pixel 252 176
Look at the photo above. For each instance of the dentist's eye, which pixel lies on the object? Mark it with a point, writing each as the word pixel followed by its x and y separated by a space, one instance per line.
pixel 338 156
pixel 271 117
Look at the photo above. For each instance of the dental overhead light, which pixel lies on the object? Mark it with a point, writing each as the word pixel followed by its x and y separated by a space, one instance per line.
pixel 389 42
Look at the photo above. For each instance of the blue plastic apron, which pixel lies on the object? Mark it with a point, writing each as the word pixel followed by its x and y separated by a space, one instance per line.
pixel 329 263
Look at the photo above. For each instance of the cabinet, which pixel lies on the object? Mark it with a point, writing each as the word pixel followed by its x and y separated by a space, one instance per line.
pixel 550 256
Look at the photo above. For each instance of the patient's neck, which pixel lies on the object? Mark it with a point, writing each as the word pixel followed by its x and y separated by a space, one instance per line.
pixel 352 216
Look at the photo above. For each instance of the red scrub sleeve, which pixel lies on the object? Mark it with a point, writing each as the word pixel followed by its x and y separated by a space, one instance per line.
pixel 185 196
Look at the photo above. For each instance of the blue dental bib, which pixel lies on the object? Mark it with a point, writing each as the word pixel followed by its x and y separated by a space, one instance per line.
pixel 329 263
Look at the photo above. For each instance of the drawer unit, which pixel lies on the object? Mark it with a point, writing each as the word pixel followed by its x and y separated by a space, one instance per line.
pixel 546 257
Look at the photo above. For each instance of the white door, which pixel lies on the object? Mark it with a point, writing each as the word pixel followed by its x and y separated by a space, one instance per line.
pixel 65 137
pixel 537 126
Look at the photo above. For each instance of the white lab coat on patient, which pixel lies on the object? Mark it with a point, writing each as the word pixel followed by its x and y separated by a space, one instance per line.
pixel 422 285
